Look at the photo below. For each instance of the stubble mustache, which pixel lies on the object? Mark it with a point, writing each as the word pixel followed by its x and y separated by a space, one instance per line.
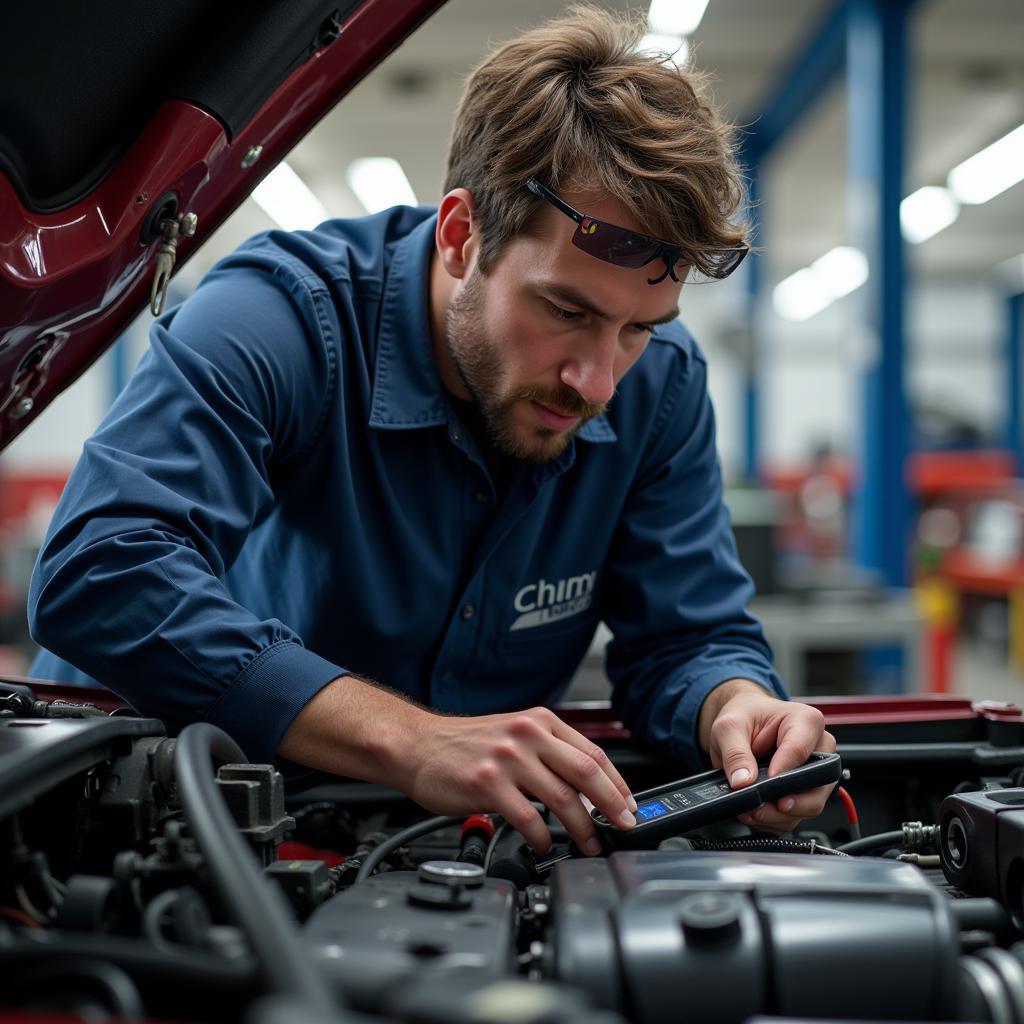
pixel 563 400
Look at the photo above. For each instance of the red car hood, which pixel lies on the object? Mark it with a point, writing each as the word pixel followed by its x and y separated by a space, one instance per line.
pixel 114 116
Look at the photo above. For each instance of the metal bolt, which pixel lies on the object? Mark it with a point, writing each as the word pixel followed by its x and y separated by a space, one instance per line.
pixel 189 222
pixel 252 154
pixel 22 408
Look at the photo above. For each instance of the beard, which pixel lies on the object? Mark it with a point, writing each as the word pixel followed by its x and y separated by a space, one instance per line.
pixel 477 359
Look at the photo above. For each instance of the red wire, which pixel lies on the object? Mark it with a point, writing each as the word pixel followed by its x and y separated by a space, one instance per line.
pixel 851 807
pixel 19 916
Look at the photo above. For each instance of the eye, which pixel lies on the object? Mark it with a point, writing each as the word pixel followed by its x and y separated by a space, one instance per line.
pixel 565 315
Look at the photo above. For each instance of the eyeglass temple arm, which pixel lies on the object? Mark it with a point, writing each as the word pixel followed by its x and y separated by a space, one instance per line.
pixel 543 192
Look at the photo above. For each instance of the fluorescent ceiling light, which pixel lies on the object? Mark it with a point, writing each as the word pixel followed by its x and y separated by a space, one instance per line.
pixel 675 48
pixel 807 292
pixel 287 199
pixel 984 175
pixel 841 270
pixel 926 212
pixel 379 182
pixel 676 17
pixel 800 296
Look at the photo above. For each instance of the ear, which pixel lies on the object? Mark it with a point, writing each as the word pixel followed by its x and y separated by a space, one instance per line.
pixel 457 235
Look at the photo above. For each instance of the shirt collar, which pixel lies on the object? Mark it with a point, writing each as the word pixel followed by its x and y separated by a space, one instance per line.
pixel 407 390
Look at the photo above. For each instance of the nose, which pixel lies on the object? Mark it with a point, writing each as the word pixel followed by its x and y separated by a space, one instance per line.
pixel 590 372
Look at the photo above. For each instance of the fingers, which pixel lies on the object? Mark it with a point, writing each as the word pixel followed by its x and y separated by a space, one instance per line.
pixel 787 813
pixel 560 772
pixel 524 818
pixel 569 735
pixel 800 734
pixel 564 802
pixel 730 739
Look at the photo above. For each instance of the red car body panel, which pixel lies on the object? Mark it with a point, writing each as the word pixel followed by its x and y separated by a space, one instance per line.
pixel 72 281
pixel 597 720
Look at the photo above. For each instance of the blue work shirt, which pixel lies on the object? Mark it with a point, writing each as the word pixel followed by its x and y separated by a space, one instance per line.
pixel 284 494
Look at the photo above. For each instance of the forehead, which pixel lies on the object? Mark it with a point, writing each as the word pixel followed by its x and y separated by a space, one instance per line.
pixel 545 256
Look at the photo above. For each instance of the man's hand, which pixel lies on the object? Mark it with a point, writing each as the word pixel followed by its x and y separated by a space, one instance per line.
pixel 462 765
pixel 494 762
pixel 741 721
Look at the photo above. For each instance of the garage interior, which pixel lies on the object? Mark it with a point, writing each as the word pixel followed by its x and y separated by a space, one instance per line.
pixel 867 388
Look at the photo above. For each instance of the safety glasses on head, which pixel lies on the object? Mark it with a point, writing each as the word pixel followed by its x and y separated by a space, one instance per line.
pixel 631 249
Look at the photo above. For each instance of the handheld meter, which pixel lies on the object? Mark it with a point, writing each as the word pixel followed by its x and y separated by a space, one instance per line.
pixel 682 806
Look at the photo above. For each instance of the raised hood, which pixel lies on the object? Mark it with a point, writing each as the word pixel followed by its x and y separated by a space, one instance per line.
pixel 117 118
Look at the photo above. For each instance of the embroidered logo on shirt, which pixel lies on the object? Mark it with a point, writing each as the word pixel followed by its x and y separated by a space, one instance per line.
pixel 543 602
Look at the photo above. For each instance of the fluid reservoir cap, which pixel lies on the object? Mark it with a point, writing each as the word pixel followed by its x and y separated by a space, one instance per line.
pixel 439 897
pixel 710 916
pixel 451 872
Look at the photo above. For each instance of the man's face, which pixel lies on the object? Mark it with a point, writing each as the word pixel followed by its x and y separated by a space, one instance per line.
pixel 542 341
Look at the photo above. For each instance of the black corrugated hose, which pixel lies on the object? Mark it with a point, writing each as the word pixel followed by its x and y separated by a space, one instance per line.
pixel 766 845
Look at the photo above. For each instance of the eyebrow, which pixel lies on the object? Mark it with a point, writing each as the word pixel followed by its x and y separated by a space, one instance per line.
pixel 569 294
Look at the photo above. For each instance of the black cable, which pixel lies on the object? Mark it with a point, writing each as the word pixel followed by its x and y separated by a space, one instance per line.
pixel 499 833
pixel 875 842
pixel 407 835
pixel 253 901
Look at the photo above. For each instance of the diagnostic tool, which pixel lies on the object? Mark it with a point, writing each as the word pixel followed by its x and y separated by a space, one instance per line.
pixel 682 806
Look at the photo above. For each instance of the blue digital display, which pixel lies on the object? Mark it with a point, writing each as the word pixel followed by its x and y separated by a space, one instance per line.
pixel 651 810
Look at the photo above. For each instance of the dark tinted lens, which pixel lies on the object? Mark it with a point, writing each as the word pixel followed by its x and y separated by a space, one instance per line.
pixel 715 265
pixel 613 244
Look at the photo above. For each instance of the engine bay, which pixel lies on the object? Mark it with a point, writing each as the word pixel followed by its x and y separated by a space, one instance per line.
pixel 154 878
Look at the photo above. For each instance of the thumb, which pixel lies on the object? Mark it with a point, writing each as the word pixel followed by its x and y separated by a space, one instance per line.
pixel 737 759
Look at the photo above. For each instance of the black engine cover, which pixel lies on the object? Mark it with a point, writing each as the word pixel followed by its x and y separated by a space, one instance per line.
pixel 721 937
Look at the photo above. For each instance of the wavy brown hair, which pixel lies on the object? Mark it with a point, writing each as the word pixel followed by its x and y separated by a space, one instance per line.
pixel 574 104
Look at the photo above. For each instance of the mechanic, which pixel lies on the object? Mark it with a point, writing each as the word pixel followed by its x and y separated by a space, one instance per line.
pixel 368 494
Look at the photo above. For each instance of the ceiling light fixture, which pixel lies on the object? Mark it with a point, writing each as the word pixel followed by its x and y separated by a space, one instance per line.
pixel 799 296
pixel 379 182
pixel 807 292
pixel 675 48
pixel 990 171
pixel 288 200
pixel 841 270
pixel 676 17
pixel 926 212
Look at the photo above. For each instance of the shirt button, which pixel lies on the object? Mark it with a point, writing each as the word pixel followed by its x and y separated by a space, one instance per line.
pixel 482 496
pixel 467 612
pixel 457 436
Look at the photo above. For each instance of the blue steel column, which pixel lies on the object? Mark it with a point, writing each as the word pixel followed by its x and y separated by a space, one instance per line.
pixel 751 397
pixel 876 67
pixel 1014 365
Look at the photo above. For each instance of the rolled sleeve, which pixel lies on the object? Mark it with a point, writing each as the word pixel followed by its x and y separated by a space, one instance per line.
pixel 260 705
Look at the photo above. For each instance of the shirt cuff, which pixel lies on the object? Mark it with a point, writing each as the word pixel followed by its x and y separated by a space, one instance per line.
pixel 259 706
pixel 685 737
